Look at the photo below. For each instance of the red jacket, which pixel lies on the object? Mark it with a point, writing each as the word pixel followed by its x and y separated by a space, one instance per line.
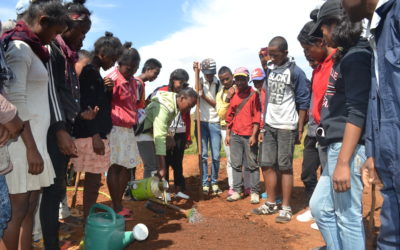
pixel 123 103
pixel 185 117
pixel 242 123
pixel 320 83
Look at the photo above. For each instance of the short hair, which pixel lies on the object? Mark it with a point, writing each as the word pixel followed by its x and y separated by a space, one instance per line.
pixel 108 45
pixel 54 11
pixel 224 70
pixel 187 93
pixel 279 42
pixel 129 56
pixel 78 14
pixel 83 54
pixel 151 63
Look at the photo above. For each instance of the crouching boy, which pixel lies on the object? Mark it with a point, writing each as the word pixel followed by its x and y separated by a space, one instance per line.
pixel 243 119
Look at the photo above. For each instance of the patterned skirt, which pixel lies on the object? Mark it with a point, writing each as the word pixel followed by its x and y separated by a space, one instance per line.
pixel 123 147
pixel 88 160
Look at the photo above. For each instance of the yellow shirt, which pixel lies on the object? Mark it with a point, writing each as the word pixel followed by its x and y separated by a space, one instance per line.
pixel 222 106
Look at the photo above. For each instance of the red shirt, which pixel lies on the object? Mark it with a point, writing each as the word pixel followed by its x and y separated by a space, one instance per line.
pixel 185 117
pixel 242 123
pixel 320 83
pixel 123 103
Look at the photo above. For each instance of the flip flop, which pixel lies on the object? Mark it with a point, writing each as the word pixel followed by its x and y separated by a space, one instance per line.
pixel 126 213
pixel 65 244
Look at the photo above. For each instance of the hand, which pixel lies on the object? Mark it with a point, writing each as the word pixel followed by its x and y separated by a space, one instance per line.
pixel 227 139
pixel 188 143
pixel 231 93
pixel 4 135
pixel 252 140
pixel 65 143
pixel 35 161
pixel 299 137
pixel 98 145
pixel 368 173
pixel 14 127
pixel 341 176
pixel 260 137
pixel 108 82
pixel 161 172
pixel 89 114
pixel 196 66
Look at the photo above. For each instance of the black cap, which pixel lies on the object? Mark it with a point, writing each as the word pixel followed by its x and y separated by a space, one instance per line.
pixel 329 10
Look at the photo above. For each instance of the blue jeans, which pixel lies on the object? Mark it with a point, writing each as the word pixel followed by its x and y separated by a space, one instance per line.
pixel 5 206
pixel 210 134
pixel 339 215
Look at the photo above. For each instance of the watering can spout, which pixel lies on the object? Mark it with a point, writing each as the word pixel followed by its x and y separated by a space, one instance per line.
pixel 139 232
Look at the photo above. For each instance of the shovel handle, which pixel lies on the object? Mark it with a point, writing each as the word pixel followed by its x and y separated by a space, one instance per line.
pixel 170 206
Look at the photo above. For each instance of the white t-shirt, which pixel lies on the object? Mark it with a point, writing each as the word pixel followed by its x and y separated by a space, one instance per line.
pixel 209 113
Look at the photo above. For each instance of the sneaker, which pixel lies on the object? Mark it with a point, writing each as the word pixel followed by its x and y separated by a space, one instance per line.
pixel 305 217
pixel 230 192
pixel 264 196
pixel 285 215
pixel 216 190
pixel 265 209
pixel 206 190
pixel 234 197
pixel 314 226
pixel 254 198
pixel 182 195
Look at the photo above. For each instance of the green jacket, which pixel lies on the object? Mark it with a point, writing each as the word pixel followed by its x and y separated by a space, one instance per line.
pixel 159 115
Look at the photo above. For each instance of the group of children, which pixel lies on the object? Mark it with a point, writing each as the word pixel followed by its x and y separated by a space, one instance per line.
pixel 59 107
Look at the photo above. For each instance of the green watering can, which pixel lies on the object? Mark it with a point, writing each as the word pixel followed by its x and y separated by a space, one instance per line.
pixel 106 230
pixel 148 188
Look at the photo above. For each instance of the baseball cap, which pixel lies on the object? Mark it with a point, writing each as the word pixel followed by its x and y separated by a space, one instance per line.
pixel 209 66
pixel 330 9
pixel 241 71
pixel 22 6
pixel 257 74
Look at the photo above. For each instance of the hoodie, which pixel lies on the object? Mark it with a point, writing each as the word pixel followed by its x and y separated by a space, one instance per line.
pixel 159 115
pixel 286 94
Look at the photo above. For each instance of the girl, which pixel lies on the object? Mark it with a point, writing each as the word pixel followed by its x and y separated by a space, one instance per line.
pixel 336 201
pixel 26 56
pixel 92 145
pixel 180 129
pixel 64 108
pixel 124 152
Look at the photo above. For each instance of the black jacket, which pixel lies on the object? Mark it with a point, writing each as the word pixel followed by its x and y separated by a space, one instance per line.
pixel 94 93
pixel 63 92
pixel 346 98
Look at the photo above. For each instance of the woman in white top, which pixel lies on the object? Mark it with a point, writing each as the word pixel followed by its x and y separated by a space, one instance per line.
pixel 26 55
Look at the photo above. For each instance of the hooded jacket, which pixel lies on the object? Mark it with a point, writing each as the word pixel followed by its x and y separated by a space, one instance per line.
pixel 159 115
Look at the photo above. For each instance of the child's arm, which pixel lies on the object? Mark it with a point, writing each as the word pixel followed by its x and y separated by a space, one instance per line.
pixel 302 99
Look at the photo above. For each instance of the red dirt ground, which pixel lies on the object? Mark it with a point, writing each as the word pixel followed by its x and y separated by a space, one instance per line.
pixel 226 225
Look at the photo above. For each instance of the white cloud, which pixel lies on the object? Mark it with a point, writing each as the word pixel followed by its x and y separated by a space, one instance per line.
pixel 232 32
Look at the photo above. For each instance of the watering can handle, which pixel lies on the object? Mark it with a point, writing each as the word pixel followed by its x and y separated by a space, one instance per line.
pixel 105 208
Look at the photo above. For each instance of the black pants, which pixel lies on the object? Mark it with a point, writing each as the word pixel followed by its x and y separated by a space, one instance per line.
pixel 174 159
pixel 311 162
pixel 54 194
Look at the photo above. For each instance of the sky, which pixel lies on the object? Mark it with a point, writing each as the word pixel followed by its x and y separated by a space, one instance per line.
pixel 178 32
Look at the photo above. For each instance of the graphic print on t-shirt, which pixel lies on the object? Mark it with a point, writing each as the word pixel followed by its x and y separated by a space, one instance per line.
pixel 331 89
pixel 277 83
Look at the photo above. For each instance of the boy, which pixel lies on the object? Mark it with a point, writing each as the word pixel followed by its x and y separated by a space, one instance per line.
pixel 151 70
pixel 243 119
pixel 159 115
pixel 286 104
pixel 223 98
pixel 382 129
pixel 209 124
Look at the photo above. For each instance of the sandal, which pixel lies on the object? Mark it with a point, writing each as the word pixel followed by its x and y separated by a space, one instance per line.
pixel 127 214
pixel 65 244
